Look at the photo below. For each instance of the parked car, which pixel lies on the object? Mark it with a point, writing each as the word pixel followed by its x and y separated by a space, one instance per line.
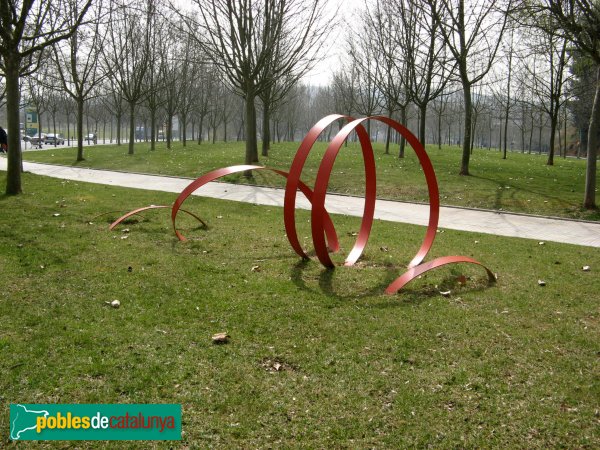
pixel 54 139
pixel 92 137
pixel 37 140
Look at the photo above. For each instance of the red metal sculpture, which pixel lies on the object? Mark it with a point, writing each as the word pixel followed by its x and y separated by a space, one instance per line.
pixel 323 231
pixel 145 208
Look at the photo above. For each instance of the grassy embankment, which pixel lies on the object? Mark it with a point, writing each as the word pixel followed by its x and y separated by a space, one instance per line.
pixel 317 358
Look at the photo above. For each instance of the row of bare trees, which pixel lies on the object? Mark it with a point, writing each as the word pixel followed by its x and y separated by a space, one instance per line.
pixel 152 62
pixel 416 53
pixel 151 54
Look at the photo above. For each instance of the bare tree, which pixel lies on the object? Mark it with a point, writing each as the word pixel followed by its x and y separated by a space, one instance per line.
pixel 29 27
pixel 394 45
pixel 201 93
pixel 428 67
pixel 77 65
pixel 503 87
pixel 547 67
pixel 171 71
pixel 344 87
pixel 256 42
pixel 367 92
pixel 113 101
pixel 579 22
pixel 127 54
pixel 69 107
pixel 473 31
pixel 215 112
pixel 190 73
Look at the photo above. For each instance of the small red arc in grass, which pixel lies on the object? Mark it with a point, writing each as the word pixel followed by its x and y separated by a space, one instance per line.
pixel 145 208
pixel 323 231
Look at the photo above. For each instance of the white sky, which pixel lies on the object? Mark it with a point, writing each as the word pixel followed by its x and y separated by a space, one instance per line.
pixel 323 71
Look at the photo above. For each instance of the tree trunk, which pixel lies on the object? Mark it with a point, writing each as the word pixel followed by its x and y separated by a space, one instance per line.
pixel 388 136
pixel 251 142
pixel 183 129
pixel 422 117
pixel 506 112
pixel 466 150
pixel 119 118
pixel 565 133
pixel 68 129
pixel 530 137
pixel 402 140
pixel 266 129
pixel 80 129
pixel 553 124
pixel 200 129
pixel 169 130
pixel 540 135
pixel 440 131
pixel 131 128
pixel 473 127
pixel 13 170
pixel 152 129
pixel 589 199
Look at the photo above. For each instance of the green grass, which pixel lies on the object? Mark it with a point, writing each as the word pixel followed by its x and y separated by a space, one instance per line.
pixel 522 183
pixel 511 365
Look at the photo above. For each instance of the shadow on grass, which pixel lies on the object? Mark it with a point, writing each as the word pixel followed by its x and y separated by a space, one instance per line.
pixel 515 189
pixel 406 297
pixel 326 283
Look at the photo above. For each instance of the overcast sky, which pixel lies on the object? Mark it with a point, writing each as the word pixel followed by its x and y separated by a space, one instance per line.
pixel 322 73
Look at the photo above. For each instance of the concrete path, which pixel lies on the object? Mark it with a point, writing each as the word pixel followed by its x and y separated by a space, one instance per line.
pixel 502 224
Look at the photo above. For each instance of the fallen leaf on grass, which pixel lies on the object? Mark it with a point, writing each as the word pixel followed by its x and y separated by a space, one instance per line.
pixel 115 303
pixel 220 338
pixel 276 366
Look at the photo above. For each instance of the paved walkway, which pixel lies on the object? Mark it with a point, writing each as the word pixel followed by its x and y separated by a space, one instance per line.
pixel 502 224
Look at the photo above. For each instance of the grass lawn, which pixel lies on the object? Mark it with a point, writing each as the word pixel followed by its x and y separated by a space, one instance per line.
pixel 522 183
pixel 317 358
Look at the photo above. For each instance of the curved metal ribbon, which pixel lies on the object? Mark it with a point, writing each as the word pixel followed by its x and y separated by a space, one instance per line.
pixel 293 181
pixel 414 272
pixel 136 211
pixel 320 192
pixel 322 228
pixel 432 187
pixel 218 173
pixel 322 181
